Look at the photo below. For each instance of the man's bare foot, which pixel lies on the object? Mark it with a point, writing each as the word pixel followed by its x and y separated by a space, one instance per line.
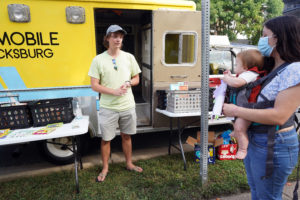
pixel 101 177
pixel 134 168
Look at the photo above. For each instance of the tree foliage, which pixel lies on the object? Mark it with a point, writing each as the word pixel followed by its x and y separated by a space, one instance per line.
pixel 244 17
pixel 274 8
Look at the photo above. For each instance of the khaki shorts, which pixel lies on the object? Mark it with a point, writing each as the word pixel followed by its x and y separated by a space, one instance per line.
pixel 110 120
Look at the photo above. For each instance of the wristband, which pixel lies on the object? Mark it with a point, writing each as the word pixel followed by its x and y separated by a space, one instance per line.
pixel 128 82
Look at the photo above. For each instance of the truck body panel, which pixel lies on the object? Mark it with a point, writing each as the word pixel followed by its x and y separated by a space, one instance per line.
pixel 49 56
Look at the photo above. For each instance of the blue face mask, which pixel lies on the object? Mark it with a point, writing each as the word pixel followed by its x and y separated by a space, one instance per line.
pixel 264 47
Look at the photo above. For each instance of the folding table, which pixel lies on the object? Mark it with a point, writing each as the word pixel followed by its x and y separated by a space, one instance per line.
pixel 180 129
pixel 77 127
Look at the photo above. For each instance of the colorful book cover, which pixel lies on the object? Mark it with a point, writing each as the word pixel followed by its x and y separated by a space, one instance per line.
pixel 4 133
pixel 55 125
pixel 48 129
pixel 20 133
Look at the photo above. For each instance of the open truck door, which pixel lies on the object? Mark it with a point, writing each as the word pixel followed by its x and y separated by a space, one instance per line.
pixel 176 52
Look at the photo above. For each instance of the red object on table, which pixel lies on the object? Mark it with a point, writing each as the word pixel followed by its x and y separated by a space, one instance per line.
pixel 213 82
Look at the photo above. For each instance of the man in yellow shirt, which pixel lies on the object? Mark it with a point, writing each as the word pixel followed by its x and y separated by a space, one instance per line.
pixel 113 73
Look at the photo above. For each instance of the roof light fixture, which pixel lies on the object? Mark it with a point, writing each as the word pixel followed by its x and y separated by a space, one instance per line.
pixel 18 12
pixel 75 14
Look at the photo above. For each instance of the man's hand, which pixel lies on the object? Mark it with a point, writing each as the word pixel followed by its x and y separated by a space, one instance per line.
pixel 120 91
pixel 127 84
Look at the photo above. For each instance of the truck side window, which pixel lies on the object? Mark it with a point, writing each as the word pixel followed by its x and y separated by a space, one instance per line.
pixel 180 48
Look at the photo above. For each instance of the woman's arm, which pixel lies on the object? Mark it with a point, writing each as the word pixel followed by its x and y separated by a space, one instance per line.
pixel 287 101
pixel 95 84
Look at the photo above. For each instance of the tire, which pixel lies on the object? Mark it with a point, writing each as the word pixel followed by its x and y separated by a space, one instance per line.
pixel 58 154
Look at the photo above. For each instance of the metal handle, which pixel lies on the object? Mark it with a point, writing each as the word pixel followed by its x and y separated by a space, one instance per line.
pixel 12 98
pixel 178 76
pixel 9 95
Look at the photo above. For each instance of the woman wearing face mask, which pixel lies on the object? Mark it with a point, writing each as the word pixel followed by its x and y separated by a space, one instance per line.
pixel 273 144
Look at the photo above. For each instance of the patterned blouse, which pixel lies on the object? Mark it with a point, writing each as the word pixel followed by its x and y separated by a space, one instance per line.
pixel 288 77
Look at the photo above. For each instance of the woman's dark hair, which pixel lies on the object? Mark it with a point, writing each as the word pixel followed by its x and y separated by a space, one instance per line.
pixel 269 63
pixel 287 31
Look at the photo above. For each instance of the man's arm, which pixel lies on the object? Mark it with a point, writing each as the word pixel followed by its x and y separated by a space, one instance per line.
pixel 95 84
pixel 135 80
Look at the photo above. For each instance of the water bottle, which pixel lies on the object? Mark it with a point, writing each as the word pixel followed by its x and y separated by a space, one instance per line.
pixel 78 112
pixel 76 108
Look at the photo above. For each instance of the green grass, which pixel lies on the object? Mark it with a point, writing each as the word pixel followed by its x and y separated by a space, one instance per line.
pixel 163 178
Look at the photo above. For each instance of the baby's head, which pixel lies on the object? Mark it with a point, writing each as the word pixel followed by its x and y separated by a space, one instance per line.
pixel 249 58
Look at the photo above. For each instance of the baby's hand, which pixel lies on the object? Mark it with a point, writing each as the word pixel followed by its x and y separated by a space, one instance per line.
pixel 227 72
pixel 224 77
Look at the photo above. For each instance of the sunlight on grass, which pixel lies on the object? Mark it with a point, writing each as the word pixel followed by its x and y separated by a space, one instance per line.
pixel 163 178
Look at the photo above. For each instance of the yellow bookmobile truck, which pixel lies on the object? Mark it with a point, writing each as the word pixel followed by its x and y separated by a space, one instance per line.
pixel 46 48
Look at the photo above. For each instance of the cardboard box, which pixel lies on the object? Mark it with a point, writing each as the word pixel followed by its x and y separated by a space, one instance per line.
pixel 227 151
pixel 218 142
pixel 191 141
pixel 224 151
pixel 211 139
pixel 211 136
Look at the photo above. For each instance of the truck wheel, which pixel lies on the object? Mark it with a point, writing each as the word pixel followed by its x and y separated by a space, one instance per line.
pixel 56 153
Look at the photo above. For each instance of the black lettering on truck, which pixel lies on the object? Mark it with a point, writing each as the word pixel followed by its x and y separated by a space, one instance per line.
pixel 29 39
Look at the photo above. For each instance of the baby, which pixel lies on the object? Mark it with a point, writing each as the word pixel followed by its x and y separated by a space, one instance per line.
pixel 248 66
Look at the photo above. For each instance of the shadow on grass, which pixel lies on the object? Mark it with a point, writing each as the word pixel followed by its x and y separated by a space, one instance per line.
pixel 163 178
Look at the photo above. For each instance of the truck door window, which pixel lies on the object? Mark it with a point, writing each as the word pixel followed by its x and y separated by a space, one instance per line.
pixel 180 48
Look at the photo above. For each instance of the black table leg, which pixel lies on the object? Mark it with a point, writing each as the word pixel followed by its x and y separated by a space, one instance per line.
pixel 75 163
pixel 180 131
pixel 77 138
